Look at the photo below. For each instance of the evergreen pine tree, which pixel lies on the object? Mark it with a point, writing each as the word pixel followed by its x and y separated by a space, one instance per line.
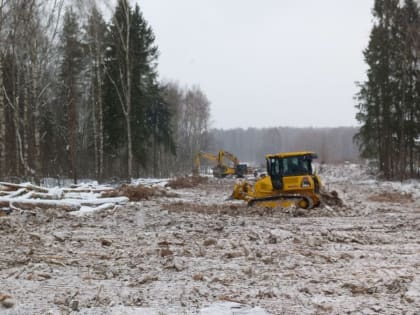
pixel 131 87
pixel 95 33
pixel 388 100
pixel 375 96
pixel 70 69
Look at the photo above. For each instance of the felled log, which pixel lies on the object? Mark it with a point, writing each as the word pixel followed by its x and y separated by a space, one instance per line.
pixel 48 196
pixel 29 204
pixel 100 201
pixel 6 189
pixel 64 204
pixel 17 193
pixel 29 197
pixel 27 186
pixel 86 190
pixel 4 202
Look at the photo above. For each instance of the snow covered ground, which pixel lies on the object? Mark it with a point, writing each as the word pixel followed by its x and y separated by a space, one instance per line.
pixel 199 253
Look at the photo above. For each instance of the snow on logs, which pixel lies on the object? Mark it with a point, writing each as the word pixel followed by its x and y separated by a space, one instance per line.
pixel 28 197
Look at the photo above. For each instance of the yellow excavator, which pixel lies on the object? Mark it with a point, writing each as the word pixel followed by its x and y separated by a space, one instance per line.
pixel 203 155
pixel 290 180
pixel 221 169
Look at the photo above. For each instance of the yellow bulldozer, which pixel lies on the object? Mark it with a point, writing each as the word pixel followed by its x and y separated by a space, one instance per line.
pixel 221 169
pixel 290 180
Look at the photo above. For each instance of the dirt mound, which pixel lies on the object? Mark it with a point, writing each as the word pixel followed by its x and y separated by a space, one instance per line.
pixel 133 192
pixel 397 197
pixel 330 198
pixel 186 182
pixel 138 192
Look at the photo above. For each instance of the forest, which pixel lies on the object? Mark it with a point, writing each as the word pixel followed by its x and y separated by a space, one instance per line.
pixel 388 102
pixel 81 97
pixel 332 145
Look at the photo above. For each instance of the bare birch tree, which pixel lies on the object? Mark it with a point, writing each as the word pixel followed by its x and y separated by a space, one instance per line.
pixel 192 108
pixel 95 33
pixel 2 103
pixel 70 70
pixel 122 24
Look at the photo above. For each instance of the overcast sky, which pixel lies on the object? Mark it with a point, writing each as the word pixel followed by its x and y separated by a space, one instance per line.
pixel 266 63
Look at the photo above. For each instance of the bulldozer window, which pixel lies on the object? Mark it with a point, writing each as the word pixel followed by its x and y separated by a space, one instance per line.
pixel 297 165
pixel 273 167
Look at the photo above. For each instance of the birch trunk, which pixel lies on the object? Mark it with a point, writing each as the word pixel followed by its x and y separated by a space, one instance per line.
pixel 72 137
pixel 128 95
pixel 2 124
pixel 124 94
pixel 94 108
pixel 100 112
pixel 36 109
pixel 97 105
pixel 26 123
pixel 17 131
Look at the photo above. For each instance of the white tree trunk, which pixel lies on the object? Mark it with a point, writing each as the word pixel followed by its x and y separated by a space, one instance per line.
pixel 128 94
pixel 36 113
pixel 100 113
pixel 2 124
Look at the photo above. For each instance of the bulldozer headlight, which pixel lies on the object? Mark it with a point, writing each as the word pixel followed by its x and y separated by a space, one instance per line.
pixel 305 183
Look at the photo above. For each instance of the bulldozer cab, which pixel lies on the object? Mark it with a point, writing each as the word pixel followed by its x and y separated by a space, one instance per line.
pixel 291 164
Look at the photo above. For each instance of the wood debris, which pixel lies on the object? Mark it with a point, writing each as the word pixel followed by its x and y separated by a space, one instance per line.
pixel 29 197
pixel 187 182
pixel 138 192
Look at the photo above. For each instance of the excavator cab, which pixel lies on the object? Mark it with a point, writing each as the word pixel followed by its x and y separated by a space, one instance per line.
pixel 241 170
pixel 222 168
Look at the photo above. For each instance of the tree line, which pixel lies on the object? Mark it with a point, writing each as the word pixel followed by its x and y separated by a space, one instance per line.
pixel 388 102
pixel 332 145
pixel 80 97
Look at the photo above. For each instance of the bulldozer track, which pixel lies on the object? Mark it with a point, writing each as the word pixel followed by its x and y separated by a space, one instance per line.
pixel 296 197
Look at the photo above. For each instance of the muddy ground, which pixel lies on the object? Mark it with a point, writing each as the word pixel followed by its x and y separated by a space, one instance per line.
pixel 180 255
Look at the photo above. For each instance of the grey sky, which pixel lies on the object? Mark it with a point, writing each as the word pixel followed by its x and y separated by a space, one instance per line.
pixel 266 63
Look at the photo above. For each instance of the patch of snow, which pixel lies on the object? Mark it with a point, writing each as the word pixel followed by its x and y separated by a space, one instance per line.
pixel 87 210
pixel 150 181
pixel 232 308
pixel 118 310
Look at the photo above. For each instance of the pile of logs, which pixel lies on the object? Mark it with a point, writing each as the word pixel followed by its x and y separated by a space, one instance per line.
pixel 29 197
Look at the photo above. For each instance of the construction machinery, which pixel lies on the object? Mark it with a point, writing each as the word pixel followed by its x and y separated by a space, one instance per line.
pixel 290 180
pixel 203 155
pixel 221 169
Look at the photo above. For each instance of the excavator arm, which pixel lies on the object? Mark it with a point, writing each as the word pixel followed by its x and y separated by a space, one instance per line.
pixel 208 156
pixel 221 169
pixel 225 154
pixel 237 169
